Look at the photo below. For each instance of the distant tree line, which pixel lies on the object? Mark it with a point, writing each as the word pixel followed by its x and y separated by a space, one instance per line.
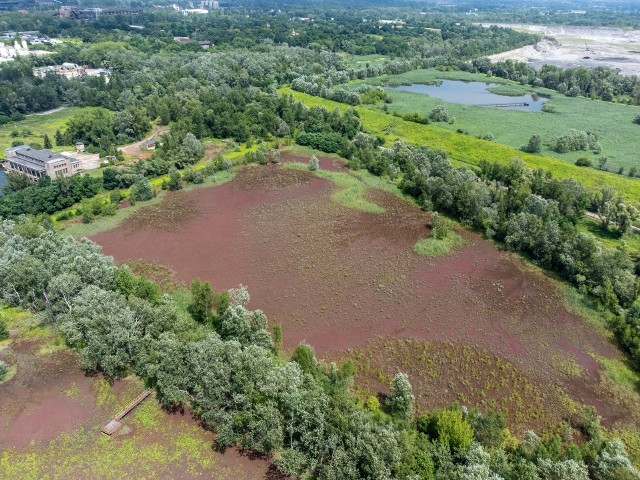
pixel 601 83
pixel 219 359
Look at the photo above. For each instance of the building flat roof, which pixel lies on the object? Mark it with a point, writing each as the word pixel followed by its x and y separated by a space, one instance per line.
pixel 46 156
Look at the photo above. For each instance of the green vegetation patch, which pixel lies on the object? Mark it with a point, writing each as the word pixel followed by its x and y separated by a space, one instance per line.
pixel 435 247
pixel 11 372
pixel 184 447
pixel 32 129
pixel 351 187
pixel 620 372
pixel 612 123
pixel 470 151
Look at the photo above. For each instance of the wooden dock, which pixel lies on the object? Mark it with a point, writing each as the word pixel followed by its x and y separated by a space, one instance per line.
pixel 505 105
pixel 113 426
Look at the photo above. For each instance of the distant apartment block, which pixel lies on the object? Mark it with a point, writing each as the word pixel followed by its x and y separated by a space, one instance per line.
pixel 36 164
pixel 71 70
pixel 78 13
pixel 209 4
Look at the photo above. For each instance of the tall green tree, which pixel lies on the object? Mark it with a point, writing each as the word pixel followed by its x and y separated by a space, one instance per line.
pixel 202 298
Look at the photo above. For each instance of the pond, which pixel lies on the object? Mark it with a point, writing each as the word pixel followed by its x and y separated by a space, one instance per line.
pixel 3 180
pixel 475 93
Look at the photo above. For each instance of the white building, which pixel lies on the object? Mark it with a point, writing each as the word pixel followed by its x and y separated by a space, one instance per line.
pixel 39 163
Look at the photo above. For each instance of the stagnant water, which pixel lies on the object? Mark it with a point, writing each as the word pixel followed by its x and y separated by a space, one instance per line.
pixel 474 93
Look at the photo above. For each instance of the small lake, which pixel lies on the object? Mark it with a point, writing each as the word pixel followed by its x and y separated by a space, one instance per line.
pixel 473 93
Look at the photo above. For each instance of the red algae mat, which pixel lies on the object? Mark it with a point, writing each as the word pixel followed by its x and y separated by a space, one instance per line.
pixel 340 279
pixel 50 419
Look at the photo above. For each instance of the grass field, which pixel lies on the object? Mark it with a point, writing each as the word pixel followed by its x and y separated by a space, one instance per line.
pixel 434 247
pixel 38 125
pixel 612 123
pixel 361 61
pixel 352 186
pixel 469 151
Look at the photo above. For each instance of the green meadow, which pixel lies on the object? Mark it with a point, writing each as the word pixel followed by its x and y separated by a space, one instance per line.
pixel 611 122
pixel 361 61
pixel 469 151
pixel 32 129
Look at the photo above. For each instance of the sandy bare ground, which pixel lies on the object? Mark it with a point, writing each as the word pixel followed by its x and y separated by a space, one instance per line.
pixel 578 46
pixel 135 149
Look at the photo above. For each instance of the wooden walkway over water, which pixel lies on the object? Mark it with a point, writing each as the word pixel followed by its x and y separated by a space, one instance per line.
pixel 505 105
pixel 111 427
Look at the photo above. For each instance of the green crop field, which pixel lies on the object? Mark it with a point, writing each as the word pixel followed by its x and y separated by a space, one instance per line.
pixel 37 125
pixel 468 150
pixel 612 123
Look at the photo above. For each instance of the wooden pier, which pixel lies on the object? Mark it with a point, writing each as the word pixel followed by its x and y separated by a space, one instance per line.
pixel 505 105
pixel 113 426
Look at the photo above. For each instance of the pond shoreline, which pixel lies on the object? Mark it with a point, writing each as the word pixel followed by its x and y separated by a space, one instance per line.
pixel 478 94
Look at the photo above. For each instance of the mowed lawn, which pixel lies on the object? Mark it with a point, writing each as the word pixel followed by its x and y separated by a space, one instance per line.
pixel 470 151
pixel 38 125
pixel 611 122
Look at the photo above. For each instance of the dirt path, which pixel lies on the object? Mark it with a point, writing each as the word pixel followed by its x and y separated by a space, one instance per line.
pixel 595 216
pixel 48 112
pixel 136 150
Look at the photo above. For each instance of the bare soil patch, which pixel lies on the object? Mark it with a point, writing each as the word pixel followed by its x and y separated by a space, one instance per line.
pixel 340 278
pixel 578 46
pixel 136 149
pixel 50 424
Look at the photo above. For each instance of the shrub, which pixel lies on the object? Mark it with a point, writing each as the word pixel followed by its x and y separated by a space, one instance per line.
pixel 304 356
pixel 141 190
pixel 448 427
pixel 574 141
pixel 313 163
pixel 64 216
pixel 4 333
pixel 441 226
pixel 584 162
pixel 4 369
pixel 202 296
pixel 327 142
pixel 191 175
pixel 115 196
pixel 439 114
pixel 109 209
pixel 534 145
pixel 401 400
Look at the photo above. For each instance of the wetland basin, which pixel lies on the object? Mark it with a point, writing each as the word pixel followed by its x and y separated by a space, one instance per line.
pixel 475 94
